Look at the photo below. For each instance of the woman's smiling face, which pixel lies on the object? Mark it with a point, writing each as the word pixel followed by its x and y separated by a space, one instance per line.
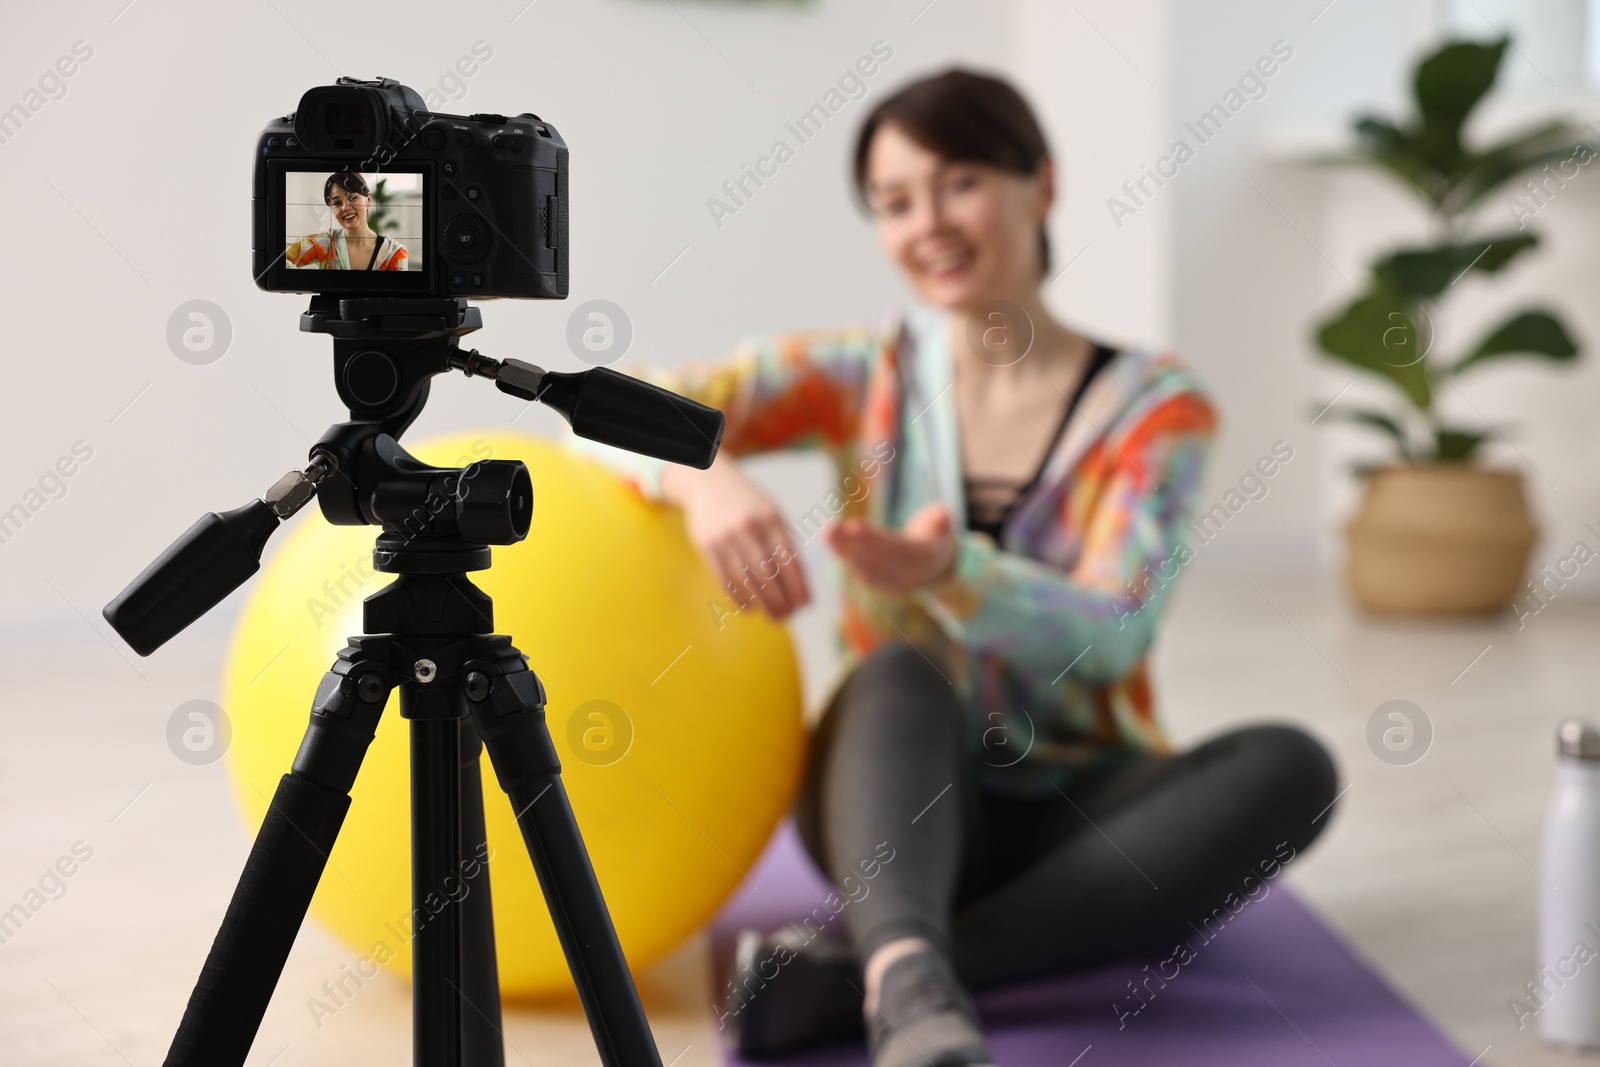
pixel 349 209
pixel 961 232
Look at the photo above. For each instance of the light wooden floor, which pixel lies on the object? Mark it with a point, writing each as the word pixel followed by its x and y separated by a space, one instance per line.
pixel 1427 869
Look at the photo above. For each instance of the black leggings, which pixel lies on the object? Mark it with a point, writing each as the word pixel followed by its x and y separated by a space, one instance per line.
pixel 1119 866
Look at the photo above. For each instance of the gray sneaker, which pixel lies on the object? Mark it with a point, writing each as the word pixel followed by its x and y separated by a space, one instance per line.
pixel 925 1018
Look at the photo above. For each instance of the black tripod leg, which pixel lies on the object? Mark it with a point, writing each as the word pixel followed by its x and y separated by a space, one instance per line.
pixel 482 1042
pixel 507 705
pixel 285 864
pixel 435 893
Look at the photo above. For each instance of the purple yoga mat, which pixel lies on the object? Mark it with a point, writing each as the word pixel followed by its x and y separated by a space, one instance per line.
pixel 1274 986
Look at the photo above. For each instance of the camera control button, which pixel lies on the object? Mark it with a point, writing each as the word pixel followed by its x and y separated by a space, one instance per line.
pixel 449 166
pixel 477 281
pixel 516 145
pixel 448 192
pixel 466 239
pixel 458 279
pixel 274 142
pixel 474 194
pixel 498 140
pixel 464 139
pixel 434 139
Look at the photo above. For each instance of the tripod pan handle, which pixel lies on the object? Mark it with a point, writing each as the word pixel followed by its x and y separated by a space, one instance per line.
pixel 618 409
pixel 216 556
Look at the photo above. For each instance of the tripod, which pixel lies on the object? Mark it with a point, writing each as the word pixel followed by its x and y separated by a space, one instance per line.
pixel 463 689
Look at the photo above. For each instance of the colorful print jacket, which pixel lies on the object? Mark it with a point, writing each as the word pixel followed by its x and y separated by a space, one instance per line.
pixel 1045 634
pixel 328 251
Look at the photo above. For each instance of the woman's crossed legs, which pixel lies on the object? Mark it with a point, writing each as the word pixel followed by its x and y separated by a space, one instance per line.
pixel 1119 866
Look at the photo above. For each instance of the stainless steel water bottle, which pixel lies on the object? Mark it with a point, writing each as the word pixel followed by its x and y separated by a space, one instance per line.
pixel 1566 990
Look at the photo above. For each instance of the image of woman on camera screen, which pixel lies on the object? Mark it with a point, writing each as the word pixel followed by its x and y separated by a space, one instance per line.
pixel 349 243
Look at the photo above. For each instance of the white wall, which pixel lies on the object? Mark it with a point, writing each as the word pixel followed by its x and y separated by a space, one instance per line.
pixel 129 196
pixel 1248 269
pixel 1099 74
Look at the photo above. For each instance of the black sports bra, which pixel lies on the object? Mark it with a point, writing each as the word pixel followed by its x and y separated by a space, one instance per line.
pixel 990 500
pixel 377 246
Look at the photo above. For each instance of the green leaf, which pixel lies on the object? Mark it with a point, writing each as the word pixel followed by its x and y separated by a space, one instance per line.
pixel 1428 154
pixel 1534 333
pixel 378 216
pixel 1449 84
pixel 1456 446
pixel 1427 272
pixel 1380 137
pixel 1397 151
pixel 1378 334
pixel 1482 173
pixel 1377 420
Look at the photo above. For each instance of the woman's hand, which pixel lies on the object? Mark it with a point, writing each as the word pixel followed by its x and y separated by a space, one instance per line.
pixel 741 536
pixel 897 561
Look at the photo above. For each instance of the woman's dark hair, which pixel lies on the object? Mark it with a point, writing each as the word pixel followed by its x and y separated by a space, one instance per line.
pixel 349 181
pixel 963 116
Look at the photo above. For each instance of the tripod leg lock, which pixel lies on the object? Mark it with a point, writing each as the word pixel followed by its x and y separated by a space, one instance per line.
pixel 341 694
pixel 518 691
pixel 506 701
pixel 344 715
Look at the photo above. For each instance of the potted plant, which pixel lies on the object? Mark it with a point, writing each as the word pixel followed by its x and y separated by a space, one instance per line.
pixel 1437 531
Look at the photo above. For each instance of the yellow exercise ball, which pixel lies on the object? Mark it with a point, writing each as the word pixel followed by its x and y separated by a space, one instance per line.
pixel 677 720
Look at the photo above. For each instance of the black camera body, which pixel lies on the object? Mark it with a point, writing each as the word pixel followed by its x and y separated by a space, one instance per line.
pixel 471 206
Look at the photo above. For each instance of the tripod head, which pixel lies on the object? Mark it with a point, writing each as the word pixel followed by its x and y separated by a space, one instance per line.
pixel 386 353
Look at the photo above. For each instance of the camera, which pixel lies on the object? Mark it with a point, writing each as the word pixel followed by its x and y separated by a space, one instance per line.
pixel 364 192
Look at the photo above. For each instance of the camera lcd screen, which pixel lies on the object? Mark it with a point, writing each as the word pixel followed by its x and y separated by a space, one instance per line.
pixel 348 220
